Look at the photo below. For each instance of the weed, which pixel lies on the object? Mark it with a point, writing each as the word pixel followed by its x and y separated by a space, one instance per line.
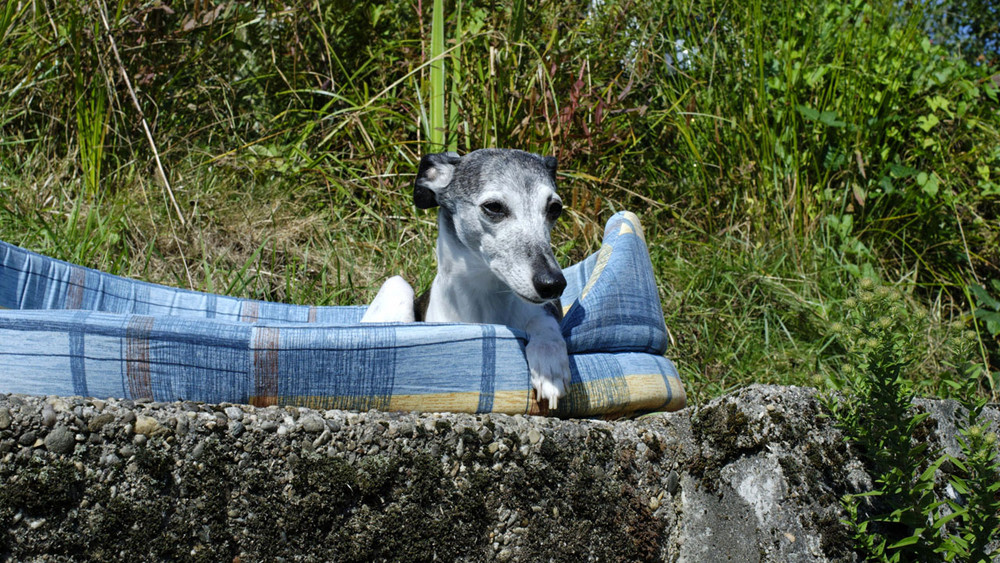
pixel 903 518
pixel 976 508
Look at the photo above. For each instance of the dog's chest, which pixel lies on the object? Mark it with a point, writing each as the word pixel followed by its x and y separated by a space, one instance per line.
pixel 475 303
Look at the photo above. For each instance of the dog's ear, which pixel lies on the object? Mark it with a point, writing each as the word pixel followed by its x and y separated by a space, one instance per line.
pixel 435 173
pixel 551 163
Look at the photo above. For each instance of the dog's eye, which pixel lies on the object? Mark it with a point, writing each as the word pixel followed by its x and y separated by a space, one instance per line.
pixel 494 209
pixel 554 210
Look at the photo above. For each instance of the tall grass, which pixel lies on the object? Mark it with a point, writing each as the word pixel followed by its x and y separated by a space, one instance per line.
pixel 92 117
pixel 775 150
pixel 437 134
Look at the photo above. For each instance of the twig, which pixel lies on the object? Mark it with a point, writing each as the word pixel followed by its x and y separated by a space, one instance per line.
pixel 142 116
pixel 152 144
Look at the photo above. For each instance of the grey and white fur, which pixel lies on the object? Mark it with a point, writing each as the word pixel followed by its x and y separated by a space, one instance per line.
pixel 496 209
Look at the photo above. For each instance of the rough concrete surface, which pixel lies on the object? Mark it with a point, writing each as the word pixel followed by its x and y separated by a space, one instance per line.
pixel 753 476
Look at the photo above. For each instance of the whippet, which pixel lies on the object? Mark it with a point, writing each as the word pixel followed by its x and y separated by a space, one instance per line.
pixel 496 209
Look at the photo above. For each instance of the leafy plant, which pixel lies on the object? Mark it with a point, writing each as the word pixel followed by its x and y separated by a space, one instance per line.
pixel 987 306
pixel 903 518
pixel 977 512
pixel 877 417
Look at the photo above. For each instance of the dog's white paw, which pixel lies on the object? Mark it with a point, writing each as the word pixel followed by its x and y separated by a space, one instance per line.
pixel 393 304
pixel 549 366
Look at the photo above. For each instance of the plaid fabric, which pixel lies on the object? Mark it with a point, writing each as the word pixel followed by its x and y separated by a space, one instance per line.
pixel 75 331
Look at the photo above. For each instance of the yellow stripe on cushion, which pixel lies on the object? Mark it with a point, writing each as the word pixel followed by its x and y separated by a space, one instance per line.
pixel 508 402
pixel 323 402
pixel 645 392
pixel 602 261
pixel 436 402
pixel 511 402
pixel 634 226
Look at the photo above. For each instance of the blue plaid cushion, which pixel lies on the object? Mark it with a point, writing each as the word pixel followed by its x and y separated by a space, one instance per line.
pixel 70 330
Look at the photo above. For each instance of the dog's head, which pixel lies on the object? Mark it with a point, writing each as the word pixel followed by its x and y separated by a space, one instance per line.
pixel 500 205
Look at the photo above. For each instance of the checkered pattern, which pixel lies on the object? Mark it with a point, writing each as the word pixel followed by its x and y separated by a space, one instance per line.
pixel 69 330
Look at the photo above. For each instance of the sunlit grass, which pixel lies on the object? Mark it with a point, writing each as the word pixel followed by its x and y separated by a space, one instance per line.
pixel 790 151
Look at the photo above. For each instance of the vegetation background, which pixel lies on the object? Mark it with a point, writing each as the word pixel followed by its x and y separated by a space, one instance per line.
pixel 777 151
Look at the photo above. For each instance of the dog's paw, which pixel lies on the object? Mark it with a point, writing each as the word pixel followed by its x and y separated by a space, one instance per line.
pixel 393 304
pixel 549 366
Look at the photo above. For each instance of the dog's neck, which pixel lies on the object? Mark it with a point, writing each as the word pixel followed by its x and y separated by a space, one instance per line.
pixel 465 289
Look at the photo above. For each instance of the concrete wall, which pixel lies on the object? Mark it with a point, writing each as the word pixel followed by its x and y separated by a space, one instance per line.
pixel 753 476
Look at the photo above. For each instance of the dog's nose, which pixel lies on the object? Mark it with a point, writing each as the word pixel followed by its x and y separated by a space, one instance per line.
pixel 549 283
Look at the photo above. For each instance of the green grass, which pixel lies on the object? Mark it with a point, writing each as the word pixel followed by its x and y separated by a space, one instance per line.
pixel 796 149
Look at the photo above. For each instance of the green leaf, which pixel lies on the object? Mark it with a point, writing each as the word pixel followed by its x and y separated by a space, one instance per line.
pixel 901 171
pixel 905 542
pixel 983 171
pixel 437 117
pixel 927 122
pixel 886 184
pixel 943 521
pixel 937 102
pixel 830 118
pixel 984 299
pixel 991 318
pixel 517 20
pixel 813 77
pixel 928 183
pixel 987 316
pixel 959 464
pixel 807 112
pixel 960 486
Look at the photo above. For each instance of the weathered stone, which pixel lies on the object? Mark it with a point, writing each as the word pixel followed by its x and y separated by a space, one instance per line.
pixel 234 413
pixel 48 416
pixel 60 440
pixel 312 423
pixel 27 439
pixel 753 476
pixel 97 423
pixel 673 480
pixel 534 436
pixel 148 426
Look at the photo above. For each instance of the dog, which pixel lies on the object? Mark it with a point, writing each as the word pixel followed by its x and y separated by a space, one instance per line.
pixel 496 210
